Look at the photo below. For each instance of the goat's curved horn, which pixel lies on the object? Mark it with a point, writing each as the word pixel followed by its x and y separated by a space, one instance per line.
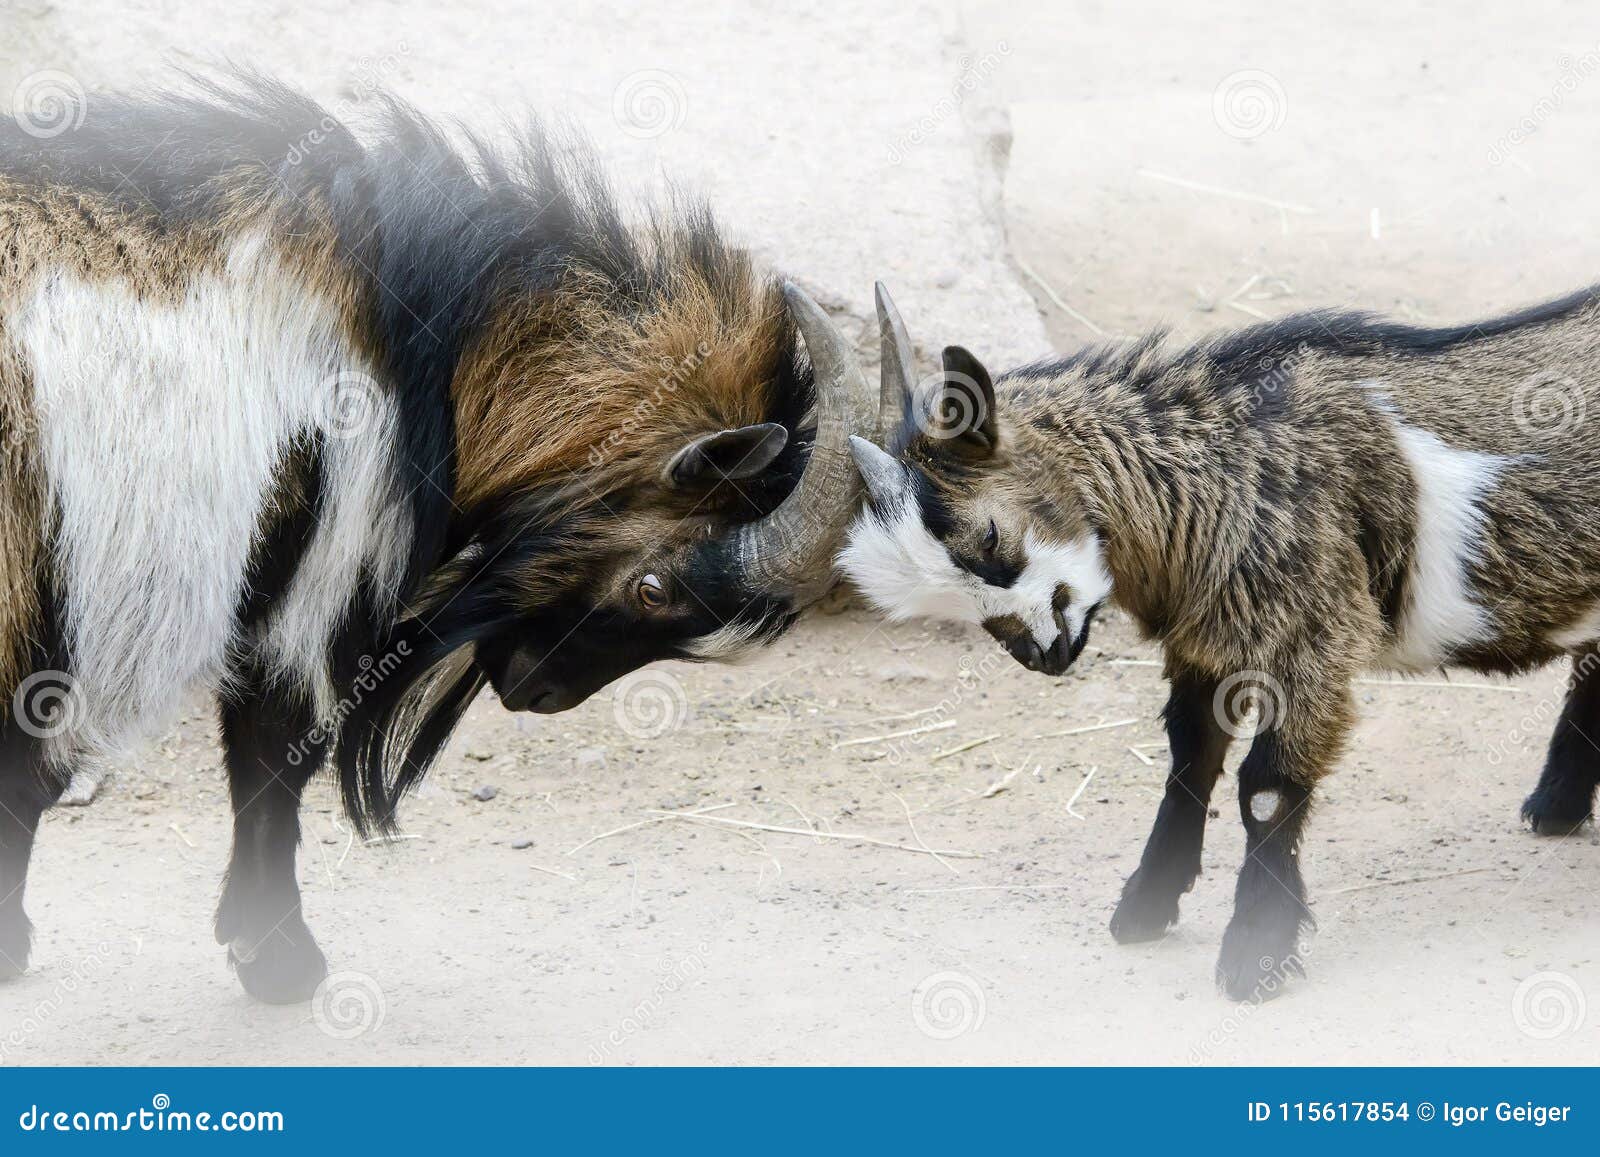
pixel 898 366
pixel 790 551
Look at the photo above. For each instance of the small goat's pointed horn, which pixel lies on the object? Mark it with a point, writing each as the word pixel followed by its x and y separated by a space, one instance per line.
pixel 790 551
pixel 898 369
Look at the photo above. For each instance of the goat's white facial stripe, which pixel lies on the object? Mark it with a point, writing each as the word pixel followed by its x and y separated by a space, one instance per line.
pixel 905 572
pixel 730 642
pixel 1441 612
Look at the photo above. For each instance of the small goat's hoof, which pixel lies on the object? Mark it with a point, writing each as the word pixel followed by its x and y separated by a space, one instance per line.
pixel 1145 912
pixel 1259 955
pixel 1550 815
pixel 281 969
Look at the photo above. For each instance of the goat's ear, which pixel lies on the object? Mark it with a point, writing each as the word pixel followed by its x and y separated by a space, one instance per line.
pixel 727 454
pixel 964 416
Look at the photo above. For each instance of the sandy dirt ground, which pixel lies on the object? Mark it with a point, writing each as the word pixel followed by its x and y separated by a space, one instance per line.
pixel 1023 173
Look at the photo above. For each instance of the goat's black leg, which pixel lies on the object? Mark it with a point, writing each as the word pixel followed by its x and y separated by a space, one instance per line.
pixel 27 788
pixel 1171 860
pixel 272 751
pixel 1564 798
pixel 1261 945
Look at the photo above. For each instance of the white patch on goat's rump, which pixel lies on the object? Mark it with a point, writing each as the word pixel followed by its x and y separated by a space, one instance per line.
pixel 162 427
pixel 906 572
pixel 1441 612
pixel 1585 630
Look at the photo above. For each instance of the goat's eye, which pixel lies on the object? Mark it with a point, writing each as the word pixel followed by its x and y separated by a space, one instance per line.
pixel 991 539
pixel 651 593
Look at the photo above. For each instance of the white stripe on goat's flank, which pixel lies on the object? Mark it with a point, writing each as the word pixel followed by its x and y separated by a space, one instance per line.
pixel 1441 612
pixel 162 425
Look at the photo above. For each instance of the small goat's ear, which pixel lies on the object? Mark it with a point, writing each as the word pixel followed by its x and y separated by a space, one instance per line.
pixel 885 477
pixel 711 458
pixel 964 414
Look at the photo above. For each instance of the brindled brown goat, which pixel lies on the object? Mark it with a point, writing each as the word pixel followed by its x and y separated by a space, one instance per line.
pixel 1283 508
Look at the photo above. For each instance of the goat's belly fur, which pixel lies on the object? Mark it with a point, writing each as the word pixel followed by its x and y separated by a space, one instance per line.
pixel 163 424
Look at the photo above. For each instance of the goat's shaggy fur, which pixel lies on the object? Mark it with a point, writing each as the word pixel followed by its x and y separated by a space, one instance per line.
pixel 1282 507
pixel 344 427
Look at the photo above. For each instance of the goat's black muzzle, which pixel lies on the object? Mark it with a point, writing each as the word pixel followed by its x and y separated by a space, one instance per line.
pixel 1011 634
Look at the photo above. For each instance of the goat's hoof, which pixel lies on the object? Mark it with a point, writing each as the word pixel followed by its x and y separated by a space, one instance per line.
pixel 285 968
pixel 1147 911
pixel 1260 951
pixel 1550 815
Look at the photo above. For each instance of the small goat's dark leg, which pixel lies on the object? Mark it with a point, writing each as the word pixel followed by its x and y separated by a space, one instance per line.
pixel 271 754
pixel 1276 783
pixel 1564 798
pixel 1171 860
pixel 27 788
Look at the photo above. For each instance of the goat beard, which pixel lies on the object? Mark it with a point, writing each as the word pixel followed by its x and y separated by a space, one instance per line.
pixel 399 720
